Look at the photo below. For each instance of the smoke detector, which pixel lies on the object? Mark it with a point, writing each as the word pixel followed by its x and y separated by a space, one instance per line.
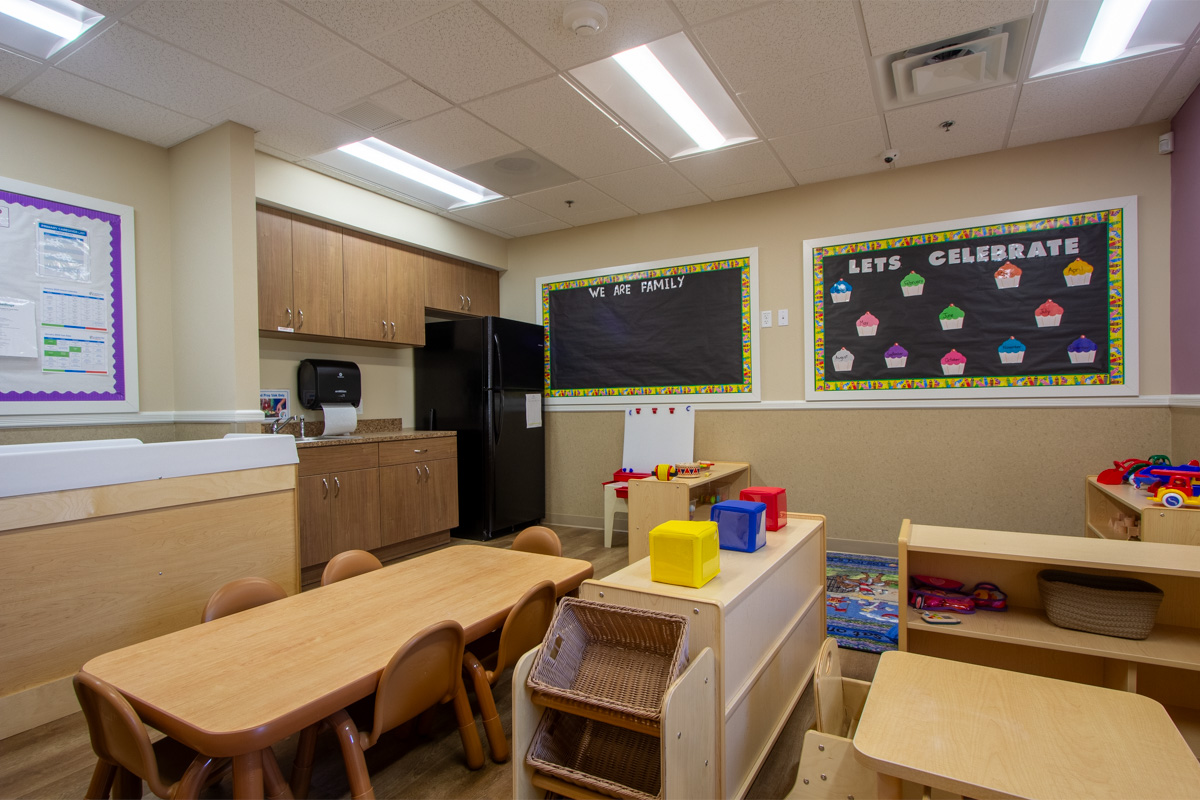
pixel 585 17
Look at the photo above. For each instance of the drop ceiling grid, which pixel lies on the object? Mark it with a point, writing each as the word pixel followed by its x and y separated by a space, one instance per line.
pixel 1175 89
pixel 353 75
pixel 14 69
pixel 288 125
pixel 980 125
pixel 451 139
pixel 502 214
pixel 813 101
pixel 364 20
pixel 542 113
pixel 830 145
pixel 895 25
pixel 650 189
pixel 723 174
pixel 587 201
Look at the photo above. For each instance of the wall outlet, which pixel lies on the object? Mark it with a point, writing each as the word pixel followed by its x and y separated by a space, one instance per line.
pixel 766 319
pixel 783 317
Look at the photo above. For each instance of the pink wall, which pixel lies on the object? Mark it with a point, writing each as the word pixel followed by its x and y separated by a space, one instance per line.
pixel 1185 249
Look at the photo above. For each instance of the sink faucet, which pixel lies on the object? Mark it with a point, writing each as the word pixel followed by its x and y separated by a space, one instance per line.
pixel 279 423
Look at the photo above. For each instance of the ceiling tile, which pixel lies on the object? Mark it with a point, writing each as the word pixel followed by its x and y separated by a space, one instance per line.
pixel 541 113
pixel 980 125
pixel 112 8
pixel 810 102
pixel 835 144
pixel 697 11
pixel 587 203
pixel 630 23
pixel 502 214
pixel 735 171
pixel 602 153
pixel 410 100
pixel 894 25
pixel 1088 101
pixel 363 20
pixel 461 53
pixel 451 139
pixel 290 126
pixel 259 39
pixel 130 61
pixel 650 189
pixel 182 134
pixel 89 102
pixel 1176 90
pixel 783 41
pixel 341 81
pixel 516 231
pixel 14 69
pixel 280 154
pixel 846 170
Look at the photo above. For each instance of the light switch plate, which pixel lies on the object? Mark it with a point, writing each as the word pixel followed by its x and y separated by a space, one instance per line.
pixel 766 319
pixel 783 317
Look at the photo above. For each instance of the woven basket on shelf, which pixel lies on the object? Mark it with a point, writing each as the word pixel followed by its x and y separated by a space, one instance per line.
pixel 605 758
pixel 1104 604
pixel 611 657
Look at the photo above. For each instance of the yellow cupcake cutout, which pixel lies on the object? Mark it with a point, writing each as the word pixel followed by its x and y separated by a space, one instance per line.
pixel 1078 273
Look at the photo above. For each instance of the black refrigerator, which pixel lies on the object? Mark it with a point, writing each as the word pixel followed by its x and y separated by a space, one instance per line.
pixel 483 378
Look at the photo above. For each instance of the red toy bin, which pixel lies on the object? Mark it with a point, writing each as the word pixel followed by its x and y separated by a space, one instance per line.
pixel 776 500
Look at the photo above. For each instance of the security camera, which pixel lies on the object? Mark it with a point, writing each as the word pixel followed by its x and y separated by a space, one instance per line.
pixel 890 156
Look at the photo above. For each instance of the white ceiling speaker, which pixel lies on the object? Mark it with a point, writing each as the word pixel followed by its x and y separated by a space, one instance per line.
pixel 585 17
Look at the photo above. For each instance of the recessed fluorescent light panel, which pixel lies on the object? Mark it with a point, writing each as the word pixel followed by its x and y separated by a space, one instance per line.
pixel 43 27
pixel 665 92
pixel 381 163
pixel 1083 33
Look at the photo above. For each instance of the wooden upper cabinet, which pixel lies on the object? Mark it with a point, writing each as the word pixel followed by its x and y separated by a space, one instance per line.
pixel 317 277
pixel 406 294
pixel 274 269
pixel 482 288
pixel 365 278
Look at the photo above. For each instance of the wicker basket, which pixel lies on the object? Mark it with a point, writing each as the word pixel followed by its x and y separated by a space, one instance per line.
pixel 605 758
pixel 1108 605
pixel 611 657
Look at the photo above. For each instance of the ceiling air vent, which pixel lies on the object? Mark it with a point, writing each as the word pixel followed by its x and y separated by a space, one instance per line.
pixel 370 116
pixel 966 63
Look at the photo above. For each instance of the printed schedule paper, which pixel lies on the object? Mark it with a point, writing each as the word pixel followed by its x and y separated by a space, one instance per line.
pixel 17 335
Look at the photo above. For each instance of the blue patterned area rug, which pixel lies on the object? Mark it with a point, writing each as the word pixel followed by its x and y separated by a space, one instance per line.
pixel 862 601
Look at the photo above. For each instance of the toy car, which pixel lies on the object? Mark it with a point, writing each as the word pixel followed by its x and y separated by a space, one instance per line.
pixel 1174 487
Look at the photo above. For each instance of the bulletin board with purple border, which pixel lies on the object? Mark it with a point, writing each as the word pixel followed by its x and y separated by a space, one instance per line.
pixel 1033 303
pixel 68 336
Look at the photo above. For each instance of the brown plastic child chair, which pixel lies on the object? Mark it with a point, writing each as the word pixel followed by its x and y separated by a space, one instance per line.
pixel 424 673
pixel 126 756
pixel 538 539
pixel 347 565
pixel 523 630
pixel 240 595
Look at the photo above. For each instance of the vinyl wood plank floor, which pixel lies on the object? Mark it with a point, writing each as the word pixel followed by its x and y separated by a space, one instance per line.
pixel 56 761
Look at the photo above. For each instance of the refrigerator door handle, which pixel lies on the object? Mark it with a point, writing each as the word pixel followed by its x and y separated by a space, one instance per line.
pixel 496 425
pixel 499 362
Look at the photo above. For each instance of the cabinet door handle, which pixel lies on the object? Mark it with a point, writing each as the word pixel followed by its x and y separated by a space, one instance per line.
pixel 325 483
pixel 289 316
pixel 393 330
pixel 418 469
pixel 426 450
pixel 337 486
pixel 301 310
pixel 462 301
pixel 383 322
pixel 468 302
pixel 426 472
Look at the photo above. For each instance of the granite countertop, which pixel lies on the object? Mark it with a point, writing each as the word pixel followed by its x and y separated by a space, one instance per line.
pixel 368 431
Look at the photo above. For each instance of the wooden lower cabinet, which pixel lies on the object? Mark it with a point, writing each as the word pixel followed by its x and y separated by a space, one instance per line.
pixel 338 511
pixel 418 499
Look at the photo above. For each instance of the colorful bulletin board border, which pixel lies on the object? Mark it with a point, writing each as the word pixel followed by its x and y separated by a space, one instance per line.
pixel 26 388
pixel 746 261
pixel 892 252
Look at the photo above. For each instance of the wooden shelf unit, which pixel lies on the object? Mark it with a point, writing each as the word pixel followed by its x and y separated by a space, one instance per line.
pixel 1165 666
pixel 653 502
pixel 1157 523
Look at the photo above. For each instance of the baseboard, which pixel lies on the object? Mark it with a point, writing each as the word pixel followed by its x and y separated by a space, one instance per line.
pixel 862 548
pixel 620 521
pixel 24 710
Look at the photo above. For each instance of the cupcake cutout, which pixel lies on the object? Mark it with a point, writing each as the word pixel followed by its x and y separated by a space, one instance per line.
pixel 912 285
pixel 867 324
pixel 1008 276
pixel 1078 273
pixel 951 317
pixel 843 360
pixel 895 356
pixel 1048 314
pixel 1012 351
pixel 953 363
pixel 840 292
pixel 1082 351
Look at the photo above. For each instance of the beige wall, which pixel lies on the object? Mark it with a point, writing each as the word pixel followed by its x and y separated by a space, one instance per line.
pixel 1185 434
pixel 43 148
pixel 1020 469
pixel 387 374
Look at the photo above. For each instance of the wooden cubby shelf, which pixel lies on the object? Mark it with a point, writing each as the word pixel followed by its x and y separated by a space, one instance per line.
pixel 1154 523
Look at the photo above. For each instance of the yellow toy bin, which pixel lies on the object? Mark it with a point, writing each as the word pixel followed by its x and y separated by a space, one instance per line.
pixel 685 553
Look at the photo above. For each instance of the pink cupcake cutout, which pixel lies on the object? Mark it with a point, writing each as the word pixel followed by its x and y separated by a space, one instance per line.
pixel 867 324
pixel 953 363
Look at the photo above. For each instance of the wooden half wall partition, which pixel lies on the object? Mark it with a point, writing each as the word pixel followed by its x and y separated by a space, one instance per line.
pixel 87 571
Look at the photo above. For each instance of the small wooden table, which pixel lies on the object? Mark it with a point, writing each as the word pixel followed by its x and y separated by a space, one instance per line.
pixel 653 502
pixel 237 685
pixel 984 732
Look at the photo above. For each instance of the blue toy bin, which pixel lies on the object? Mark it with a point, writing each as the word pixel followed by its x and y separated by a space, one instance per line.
pixel 741 524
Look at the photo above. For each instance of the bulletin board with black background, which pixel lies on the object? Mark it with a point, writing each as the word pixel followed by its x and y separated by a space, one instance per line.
pixel 1030 303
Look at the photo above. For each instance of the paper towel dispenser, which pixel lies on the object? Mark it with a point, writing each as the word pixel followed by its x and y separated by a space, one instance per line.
pixel 323 382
